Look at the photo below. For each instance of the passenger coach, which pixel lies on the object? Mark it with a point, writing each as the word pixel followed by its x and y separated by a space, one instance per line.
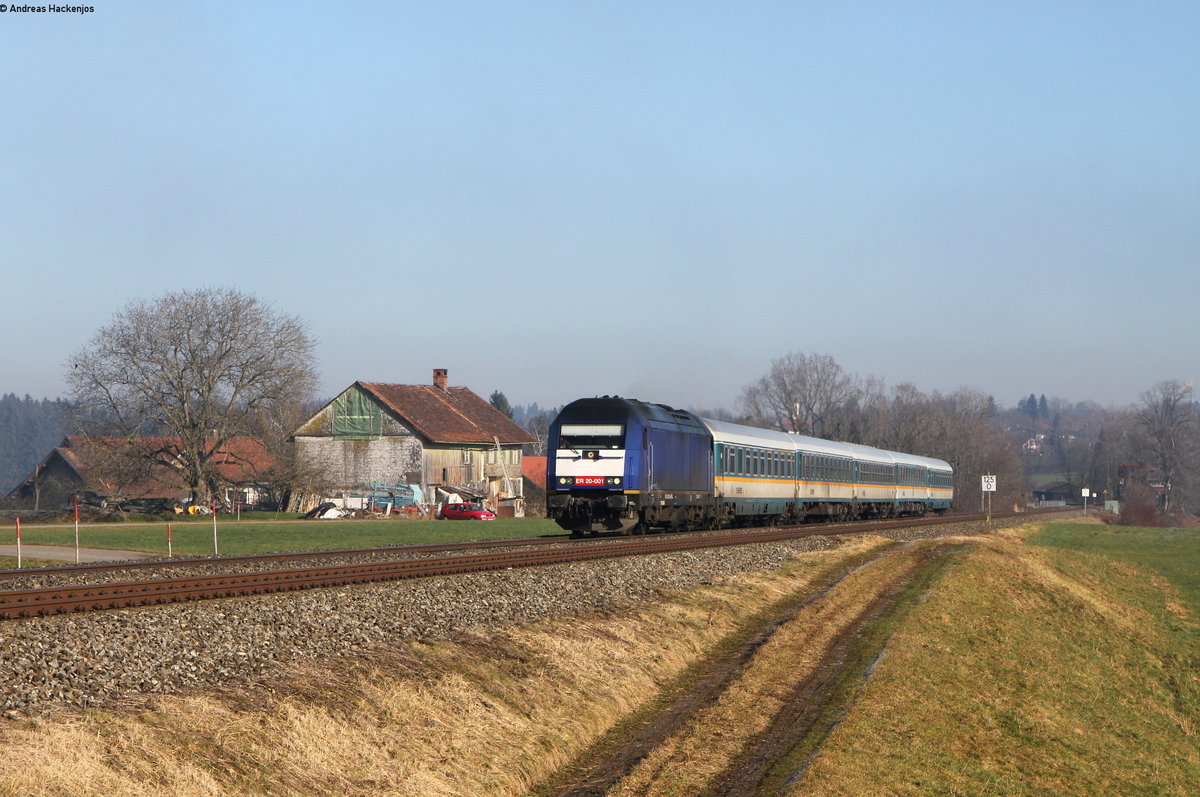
pixel 627 465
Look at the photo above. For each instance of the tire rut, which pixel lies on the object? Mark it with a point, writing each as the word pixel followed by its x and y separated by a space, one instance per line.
pixel 753 772
pixel 614 758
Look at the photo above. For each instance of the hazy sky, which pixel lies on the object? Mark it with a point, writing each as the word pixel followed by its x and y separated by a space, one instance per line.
pixel 652 199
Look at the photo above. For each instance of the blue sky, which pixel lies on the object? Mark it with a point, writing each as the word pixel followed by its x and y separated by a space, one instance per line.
pixel 649 199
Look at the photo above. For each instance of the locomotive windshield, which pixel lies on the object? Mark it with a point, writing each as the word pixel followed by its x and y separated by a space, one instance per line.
pixel 592 435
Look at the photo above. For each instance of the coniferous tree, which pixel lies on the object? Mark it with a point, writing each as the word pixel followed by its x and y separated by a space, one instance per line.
pixel 500 402
pixel 29 429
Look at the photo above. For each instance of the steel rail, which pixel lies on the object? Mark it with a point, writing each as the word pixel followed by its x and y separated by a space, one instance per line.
pixel 123 594
pixel 394 550
pixel 192 561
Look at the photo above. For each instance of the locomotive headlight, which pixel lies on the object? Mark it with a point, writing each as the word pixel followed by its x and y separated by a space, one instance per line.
pixel 563 480
pixel 614 481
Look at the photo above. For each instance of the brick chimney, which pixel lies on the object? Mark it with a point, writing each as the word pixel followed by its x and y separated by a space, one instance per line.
pixel 439 378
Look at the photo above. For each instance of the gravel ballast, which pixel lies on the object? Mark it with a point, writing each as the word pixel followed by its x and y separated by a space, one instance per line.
pixel 94 659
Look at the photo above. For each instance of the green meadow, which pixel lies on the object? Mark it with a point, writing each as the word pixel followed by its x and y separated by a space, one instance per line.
pixel 194 537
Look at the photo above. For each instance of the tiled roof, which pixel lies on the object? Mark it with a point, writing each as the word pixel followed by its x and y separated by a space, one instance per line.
pixel 450 415
pixel 534 469
pixel 241 460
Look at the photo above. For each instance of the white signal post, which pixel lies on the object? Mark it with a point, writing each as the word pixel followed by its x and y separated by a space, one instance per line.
pixel 988 486
pixel 1087 493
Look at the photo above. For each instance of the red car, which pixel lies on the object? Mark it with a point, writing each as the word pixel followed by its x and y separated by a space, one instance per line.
pixel 465 512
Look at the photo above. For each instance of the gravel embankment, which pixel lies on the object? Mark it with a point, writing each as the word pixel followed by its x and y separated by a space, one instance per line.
pixel 95 658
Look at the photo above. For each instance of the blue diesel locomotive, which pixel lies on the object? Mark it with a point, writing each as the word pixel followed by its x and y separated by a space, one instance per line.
pixel 625 465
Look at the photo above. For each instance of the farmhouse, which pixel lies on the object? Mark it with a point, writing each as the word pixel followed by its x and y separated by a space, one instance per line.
pixel 117 469
pixel 445 439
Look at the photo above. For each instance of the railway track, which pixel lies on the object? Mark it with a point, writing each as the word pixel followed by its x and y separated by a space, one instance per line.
pixel 123 594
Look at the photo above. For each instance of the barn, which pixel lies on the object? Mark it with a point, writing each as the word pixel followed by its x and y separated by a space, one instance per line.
pixel 146 469
pixel 445 439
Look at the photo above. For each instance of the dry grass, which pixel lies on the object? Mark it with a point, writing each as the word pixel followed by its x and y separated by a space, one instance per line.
pixel 687 763
pixel 1028 671
pixel 492 713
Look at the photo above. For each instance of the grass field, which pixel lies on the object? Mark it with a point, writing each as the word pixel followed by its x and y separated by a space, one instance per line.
pixel 10 562
pixel 195 537
pixel 1065 664
pixel 1173 554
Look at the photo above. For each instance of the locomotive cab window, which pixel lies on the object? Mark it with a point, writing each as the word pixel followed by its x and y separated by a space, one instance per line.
pixel 591 435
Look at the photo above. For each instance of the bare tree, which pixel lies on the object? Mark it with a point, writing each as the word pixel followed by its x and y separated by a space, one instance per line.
pixel 1167 420
pixel 538 426
pixel 801 393
pixel 201 366
pixel 1111 450
pixel 962 432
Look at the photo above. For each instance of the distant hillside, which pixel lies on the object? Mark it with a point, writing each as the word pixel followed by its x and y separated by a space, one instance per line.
pixel 29 428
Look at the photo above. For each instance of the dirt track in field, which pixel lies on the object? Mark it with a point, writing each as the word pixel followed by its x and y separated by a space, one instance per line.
pixel 836 654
